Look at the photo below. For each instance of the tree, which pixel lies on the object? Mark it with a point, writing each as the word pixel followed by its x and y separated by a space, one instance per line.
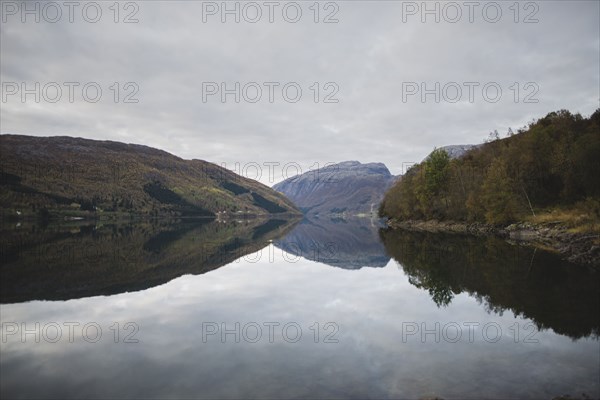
pixel 436 171
pixel 433 188
pixel 493 136
pixel 498 196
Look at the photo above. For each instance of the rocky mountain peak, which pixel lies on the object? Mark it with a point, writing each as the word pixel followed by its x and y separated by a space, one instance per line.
pixel 349 186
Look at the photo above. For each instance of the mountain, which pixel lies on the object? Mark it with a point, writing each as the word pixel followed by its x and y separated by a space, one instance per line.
pixel 348 187
pixel 344 243
pixel 66 176
pixel 456 150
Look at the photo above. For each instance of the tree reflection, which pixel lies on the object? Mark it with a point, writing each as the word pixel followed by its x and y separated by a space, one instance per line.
pixel 531 283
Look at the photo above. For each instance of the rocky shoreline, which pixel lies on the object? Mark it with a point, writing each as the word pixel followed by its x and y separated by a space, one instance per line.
pixel 580 248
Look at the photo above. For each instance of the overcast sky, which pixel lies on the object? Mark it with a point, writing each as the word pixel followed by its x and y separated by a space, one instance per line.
pixel 372 61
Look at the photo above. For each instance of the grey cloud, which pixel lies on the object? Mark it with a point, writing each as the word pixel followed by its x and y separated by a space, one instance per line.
pixel 369 54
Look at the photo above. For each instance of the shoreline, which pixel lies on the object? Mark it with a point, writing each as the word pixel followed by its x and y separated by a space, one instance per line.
pixel 578 248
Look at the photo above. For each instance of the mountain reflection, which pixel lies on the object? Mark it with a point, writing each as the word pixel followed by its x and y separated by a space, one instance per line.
pixel 345 243
pixel 530 282
pixel 67 261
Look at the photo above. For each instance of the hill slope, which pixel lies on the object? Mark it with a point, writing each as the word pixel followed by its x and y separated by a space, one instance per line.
pixel 349 187
pixel 554 163
pixel 47 176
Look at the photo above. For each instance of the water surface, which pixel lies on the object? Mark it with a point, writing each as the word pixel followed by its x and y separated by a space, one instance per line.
pixel 286 309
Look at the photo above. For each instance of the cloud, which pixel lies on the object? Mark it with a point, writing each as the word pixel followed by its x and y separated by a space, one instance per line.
pixel 367 56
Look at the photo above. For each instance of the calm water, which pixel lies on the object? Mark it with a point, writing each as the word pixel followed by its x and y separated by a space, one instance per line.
pixel 281 309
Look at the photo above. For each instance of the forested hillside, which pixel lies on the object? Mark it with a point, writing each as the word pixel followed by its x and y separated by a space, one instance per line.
pixel 552 166
pixel 63 176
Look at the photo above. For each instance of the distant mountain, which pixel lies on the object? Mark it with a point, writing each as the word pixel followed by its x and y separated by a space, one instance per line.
pixel 348 187
pixel 344 243
pixel 66 176
pixel 457 150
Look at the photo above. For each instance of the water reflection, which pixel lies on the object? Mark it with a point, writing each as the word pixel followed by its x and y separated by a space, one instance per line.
pixel 373 356
pixel 531 283
pixel 66 261
pixel 345 243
